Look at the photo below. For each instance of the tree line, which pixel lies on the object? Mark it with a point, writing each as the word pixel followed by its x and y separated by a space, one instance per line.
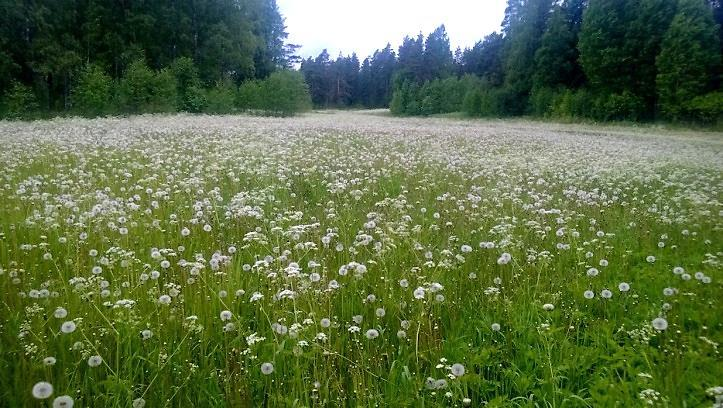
pixel 97 57
pixel 597 59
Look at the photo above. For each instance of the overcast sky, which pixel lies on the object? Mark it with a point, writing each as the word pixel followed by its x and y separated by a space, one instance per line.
pixel 363 26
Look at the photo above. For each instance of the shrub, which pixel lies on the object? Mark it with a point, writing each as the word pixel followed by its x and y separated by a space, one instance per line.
pixel 706 108
pixel 142 90
pixel 220 98
pixel 248 95
pixel 285 93
pixel 92 96
pixel 19 102
pixel 189 93
pixel 472 104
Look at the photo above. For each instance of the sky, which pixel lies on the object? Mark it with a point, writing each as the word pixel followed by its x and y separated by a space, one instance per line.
pixel 363 26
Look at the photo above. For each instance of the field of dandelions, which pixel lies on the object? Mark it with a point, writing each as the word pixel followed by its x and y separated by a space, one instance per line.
pixel 357 260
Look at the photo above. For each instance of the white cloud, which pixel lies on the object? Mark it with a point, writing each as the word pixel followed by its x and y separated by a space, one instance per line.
pixel 363 26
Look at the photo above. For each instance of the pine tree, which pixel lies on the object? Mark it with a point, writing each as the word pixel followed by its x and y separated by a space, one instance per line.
pixel 688 59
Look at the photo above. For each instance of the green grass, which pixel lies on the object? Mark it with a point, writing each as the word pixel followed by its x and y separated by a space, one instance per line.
pixel 615 197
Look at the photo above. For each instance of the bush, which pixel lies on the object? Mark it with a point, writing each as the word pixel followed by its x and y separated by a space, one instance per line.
pixel 143 91
pixel 189 93
pixel 19 102
pixel 92 96
pixel 623 106
pixel 706 108
pixel 285 93
pixel 194 99
pixel 220 98
pixel 248 95
pixel 542 101
pixel 472 104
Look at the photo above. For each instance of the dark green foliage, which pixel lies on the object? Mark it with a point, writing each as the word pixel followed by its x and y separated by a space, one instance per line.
pixel 485 59
pixel 189 97
pixel 619 42
pixel 249 95
pixel 19 102
pixel 144 90
pixel 46 45
pixel 92 95
pixel 221 98
pixel 556 61
pixel 706 108
pixel 284 93
pixel 688 58
pixel 525 32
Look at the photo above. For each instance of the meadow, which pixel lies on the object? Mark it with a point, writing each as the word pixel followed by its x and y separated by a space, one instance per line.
pixel 351 259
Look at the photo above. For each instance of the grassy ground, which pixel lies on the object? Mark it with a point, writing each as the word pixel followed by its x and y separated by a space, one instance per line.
pixel 353 260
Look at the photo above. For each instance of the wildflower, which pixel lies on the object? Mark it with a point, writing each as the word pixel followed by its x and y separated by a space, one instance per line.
pixel 164 300
pixel 64 401
pixel 623 287
pixel 95 361
pixel 60 313
pixel 606 294
pixel 548 307
pixel 372 334
pixel 267 368
pixel 380 312
pixel 504 259
pixel 68 327
pixel 419 293
pixel 589 294
pixel 325 323
pixel 457 369
pixel 138 403
pixel 226 315
pixel 42 390
pixel 660 324
pixel 48 361
pixel 146 334
pixel 495 327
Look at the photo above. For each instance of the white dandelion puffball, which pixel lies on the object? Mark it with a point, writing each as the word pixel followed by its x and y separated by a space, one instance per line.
pixel 678 270
pixel 592 272
pixel 495 327
pixel 42 390
pixel 138 403
pixel 95 361
pixel 589 294
pixel 68 327
pixel 606 294
pixel 267 368
pixel 457 369
pixel 226 315
pixel 380 312
pixel 164 300
pixel 48 361
pixel 624 286
pixel 660 324
pixel 504 259
pixel 419 293
pixel 650 259
pixel 372 334
pixel 60 313
pixel 325 323
pixel 64 401
pixel 548 307
pixel 146 334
